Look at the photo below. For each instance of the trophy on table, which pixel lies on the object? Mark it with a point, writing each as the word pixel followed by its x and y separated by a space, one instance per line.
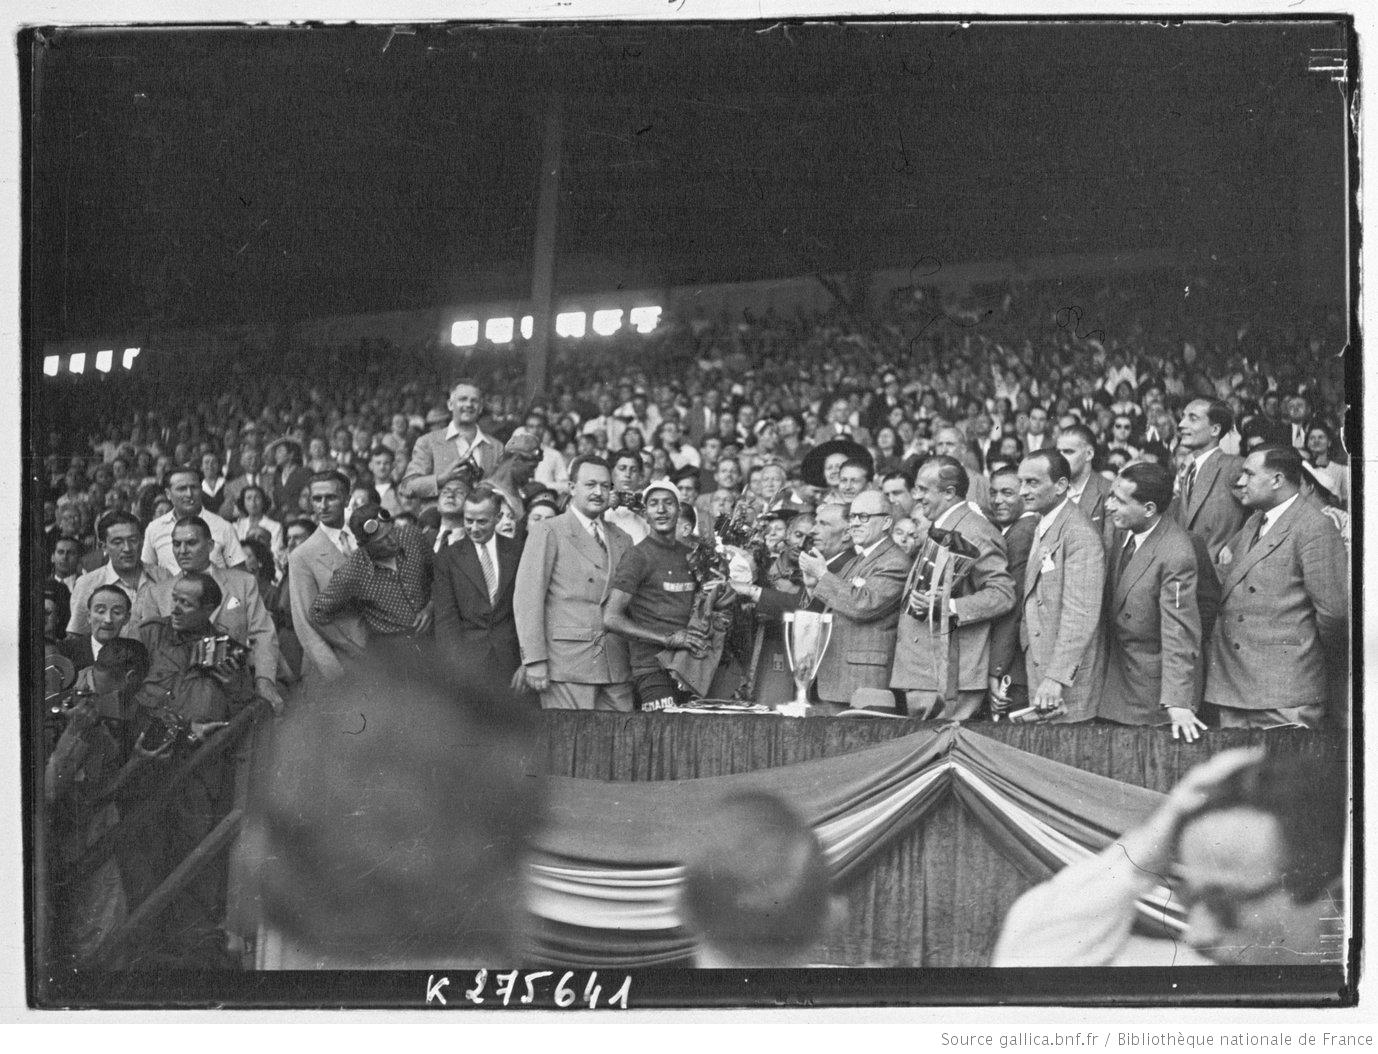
pixel 806 639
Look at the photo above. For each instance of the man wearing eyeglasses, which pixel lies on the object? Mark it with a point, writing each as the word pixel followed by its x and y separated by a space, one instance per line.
pixel 387 581
pixel 864 599
pixel 1252 850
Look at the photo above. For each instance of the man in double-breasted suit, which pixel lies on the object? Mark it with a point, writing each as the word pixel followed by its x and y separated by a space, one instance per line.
pixel 948 659
pixel 475 577
pixel 1204 505
pixel 1063 591
pixel 1280 651
pixel 864 599
pixel 1152 617
pixel 310 566
pixel 561 589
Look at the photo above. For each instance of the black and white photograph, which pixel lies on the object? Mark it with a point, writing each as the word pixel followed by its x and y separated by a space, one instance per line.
pixel 606 515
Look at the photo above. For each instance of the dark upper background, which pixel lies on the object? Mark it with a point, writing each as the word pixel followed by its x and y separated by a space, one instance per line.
pixel 183 176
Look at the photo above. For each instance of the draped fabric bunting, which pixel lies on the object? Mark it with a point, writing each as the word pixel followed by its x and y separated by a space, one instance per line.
pixel 608 866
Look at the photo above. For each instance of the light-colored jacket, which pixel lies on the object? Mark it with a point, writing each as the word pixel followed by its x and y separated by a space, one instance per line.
pixel 310 566
pixel 864 598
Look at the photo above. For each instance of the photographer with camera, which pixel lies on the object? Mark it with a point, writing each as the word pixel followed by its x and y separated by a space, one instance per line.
pixel 198 679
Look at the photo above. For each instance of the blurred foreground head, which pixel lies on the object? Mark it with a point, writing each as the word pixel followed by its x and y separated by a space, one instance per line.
pixel 389 820
pixel 756 888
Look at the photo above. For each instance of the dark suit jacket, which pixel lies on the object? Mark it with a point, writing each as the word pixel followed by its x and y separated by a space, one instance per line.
pixel 1092 501
pixel 1153 629
pixel 1282 638
pixel 775 602
pixel 1212 514
pixel 477 637
pixel 1006 656
pixel 77 648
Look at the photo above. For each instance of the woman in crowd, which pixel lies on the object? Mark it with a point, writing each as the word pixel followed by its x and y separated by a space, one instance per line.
pixel 253 506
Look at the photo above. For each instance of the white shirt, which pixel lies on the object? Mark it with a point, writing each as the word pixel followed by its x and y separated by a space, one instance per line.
pixel 1200 459
pixel 466 448
pixel 339 538
pixel 225 549
pixel 1045 521
pixel 685 455
pixel 863 553
pixel 104 575
pixel 96 646
pixel 552 472
pixel 491 548
pixel 947 515
pixel 1271 516
pixel 587 524
pixel 630 522
pixel 448 535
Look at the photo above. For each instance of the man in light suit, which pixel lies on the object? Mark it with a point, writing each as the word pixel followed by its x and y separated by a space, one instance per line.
pixel 952 668
pixel 1280 652
pixel 437 454
pixel 1063 590
pixel 1154 662
pixel 1089 489
pixel 475 631
pixel 1204 505
pixel 1009 684
pixel 561 591
pixel 864 599
pixel 310 566
pixel 240 613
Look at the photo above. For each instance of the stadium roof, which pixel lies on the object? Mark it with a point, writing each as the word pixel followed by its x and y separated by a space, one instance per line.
pixel 184 176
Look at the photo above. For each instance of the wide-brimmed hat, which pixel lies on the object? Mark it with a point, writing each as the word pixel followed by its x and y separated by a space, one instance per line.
pixel 812 469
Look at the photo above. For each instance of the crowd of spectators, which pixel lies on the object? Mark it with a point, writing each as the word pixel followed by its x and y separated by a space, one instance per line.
pixel 307 509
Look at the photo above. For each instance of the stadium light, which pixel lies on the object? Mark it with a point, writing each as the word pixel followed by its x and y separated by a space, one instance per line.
pixel 77 364
pixel 526 327
pixel 130 354
pixel 608 322
pixel 103 360
pixel 464 334
pixel 570 324
pixel 645 319
pixel 498 330
pixel 52 364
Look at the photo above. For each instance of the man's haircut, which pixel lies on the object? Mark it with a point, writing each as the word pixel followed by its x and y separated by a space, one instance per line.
pixel 1152 483
pixel 484 494
pixel 757 886
pixel 201 526
pixel 625 455
pixel 899 474
pixel 1057 464
pixel 113 589
pixel 1218 412
pixel 1003 468
pixel 113 519
pixel 305 524
pixel 185 470
pixel 950 474
pixel 123 656
pixel 857 463
pixel 1284 459
pixel 370 492
pixel 843 509
pixel 381 451
pixel 466 382
pixel 1083 433
pixel 1306 797
pixel 586 459
pixel 210 589
pixel 330 475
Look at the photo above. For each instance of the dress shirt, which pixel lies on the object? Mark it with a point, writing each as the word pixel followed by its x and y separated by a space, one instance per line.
pixel 225 549
pixel 448 535
pixel 552 472
pixel 491 548
pixel 340 538
pixel 452 435
pixel 1046 520
pixel 587 524
pixel 388 600
pixel 1271 516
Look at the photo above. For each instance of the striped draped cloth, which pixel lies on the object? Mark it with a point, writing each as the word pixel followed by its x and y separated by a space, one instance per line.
pixel 606 873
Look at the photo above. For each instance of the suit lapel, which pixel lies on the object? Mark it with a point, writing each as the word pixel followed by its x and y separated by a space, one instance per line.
pixel 1205 480
pixel 1138 564
pixel 469 565
pixel 1048 544
pixel 1276 535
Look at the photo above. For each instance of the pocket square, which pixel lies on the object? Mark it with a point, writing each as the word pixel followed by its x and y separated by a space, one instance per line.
pixel 231 603
pixel 1047 564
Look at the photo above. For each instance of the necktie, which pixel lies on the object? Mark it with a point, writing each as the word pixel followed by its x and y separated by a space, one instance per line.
pixel 490 573
pixel 1188 483
pixel 598 536
pixel 442 538
pixel 1126 554
pixel 346 543
pixel 1258 534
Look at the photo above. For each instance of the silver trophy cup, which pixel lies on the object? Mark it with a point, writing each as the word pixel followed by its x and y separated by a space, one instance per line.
pixel 806 639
